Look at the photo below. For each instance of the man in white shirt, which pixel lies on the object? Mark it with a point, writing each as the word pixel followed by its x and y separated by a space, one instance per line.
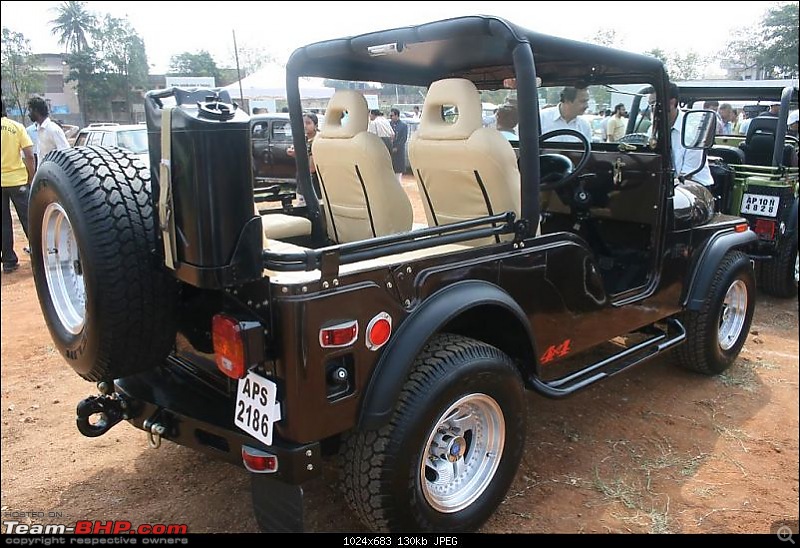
pixel 381 127
pixel 566 115
pixel 51 136
pixel 684 160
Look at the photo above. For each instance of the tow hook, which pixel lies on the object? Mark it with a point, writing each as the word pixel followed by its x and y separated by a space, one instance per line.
pixel 109 407
pixel 154 431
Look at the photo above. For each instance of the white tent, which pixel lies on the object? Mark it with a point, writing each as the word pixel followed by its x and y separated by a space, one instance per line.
pixel 270 82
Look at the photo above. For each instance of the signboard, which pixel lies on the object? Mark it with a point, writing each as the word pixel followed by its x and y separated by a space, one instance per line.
pixel 190 81
pixel 372 102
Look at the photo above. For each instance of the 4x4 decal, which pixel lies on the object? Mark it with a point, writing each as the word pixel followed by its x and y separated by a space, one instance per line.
pixel 556 351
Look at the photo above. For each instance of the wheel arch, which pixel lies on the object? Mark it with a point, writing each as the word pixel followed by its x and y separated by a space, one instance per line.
pixel 476 309
pixel 708 260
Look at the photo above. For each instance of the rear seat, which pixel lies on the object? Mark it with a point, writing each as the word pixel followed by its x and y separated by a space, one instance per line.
pixel 278 225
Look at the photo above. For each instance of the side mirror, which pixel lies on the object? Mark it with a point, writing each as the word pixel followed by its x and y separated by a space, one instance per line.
pixel 699 129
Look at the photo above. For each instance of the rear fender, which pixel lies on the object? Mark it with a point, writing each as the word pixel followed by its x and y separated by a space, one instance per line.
pixel 437 312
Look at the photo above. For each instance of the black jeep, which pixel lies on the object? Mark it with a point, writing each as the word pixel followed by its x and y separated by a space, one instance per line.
pixel 342 327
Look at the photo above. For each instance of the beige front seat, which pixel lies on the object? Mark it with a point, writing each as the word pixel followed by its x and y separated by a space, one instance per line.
pixel 361 196
pixel 463 170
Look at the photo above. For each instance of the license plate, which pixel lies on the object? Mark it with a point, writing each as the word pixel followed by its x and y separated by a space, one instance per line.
pixel 257 410
pixel 760 204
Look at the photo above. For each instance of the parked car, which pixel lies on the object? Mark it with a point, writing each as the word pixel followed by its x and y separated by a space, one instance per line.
pixel 128 137
pixel 272 136
pixel 276 341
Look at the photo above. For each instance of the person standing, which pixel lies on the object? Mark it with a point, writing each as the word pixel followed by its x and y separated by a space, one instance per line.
pixel 400 129
pixel 617 124
pixel 17 173
pixel 507 120
pixel 34 135
pixel 566 115
pixel 51 136
pixel 381 127
pixel 685 161
pixel 311 128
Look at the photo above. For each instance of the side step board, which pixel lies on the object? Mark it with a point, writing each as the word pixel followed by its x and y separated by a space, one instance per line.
pixel 610 366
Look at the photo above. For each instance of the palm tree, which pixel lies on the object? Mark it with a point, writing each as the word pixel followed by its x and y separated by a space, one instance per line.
pixel 72 25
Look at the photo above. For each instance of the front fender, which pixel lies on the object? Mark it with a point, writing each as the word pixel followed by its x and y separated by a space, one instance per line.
pixel 708 262
pixel 398 357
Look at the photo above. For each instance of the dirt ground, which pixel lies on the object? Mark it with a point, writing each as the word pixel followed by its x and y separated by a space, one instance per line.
pixel 655 449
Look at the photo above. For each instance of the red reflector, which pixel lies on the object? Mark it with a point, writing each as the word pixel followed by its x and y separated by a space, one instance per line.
pixel 379 330
pixel 765 228
pixel 741 228
pixel 343 334
pixel 258 461
pixel 228 346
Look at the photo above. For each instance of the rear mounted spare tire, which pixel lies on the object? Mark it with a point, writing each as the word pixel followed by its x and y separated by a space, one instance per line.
pixel 109 303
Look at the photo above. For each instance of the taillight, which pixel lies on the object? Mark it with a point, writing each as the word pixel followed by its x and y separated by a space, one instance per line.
pixel 741 228
pixel 379 330
pixel 229 346
pixel 259 461
pixel 765 229
pixel 337 336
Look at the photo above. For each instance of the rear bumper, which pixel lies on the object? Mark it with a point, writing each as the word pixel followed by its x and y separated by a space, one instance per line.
pixel 197 415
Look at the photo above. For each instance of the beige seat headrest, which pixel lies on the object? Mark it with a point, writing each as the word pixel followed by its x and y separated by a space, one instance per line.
pixel 354 104
pixel 457 92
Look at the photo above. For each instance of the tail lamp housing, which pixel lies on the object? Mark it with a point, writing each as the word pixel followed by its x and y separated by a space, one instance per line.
pixel 238 344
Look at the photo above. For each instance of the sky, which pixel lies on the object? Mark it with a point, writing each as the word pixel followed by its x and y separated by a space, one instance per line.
pixel 169 28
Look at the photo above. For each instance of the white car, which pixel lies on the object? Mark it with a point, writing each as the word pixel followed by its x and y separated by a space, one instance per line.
pixel 129 137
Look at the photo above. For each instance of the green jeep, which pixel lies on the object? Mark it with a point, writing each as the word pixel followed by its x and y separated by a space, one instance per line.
pixel 756 173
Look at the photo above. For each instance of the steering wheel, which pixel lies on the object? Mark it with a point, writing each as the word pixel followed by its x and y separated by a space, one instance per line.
pixel 567 174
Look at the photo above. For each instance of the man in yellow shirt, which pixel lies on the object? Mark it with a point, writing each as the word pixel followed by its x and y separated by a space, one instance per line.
pixel 617 124
pixel 18 170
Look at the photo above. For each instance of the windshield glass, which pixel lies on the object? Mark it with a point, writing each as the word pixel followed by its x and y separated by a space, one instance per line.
pixel 134 140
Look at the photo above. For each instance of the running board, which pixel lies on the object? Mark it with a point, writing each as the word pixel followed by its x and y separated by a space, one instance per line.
pixel 608 367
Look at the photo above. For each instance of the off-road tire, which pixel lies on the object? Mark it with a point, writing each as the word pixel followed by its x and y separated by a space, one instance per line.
pixel 382 474
pixel 100 199
pixel 778 276
pixel 703 352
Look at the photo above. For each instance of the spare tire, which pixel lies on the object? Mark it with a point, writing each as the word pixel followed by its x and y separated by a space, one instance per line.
pixel 108 301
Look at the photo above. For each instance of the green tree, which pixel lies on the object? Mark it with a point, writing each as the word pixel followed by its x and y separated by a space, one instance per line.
pixel 679 66
pixel 770 47
pixel 684 67
pixel 94 86
pixel 194 64
pixel 252 58
pixel 20 75
pixel 121 54
pixel 73 25
pixel 780 36
pixel 607 37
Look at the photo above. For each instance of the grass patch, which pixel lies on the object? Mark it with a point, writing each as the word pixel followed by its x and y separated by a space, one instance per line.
pixel 742 375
